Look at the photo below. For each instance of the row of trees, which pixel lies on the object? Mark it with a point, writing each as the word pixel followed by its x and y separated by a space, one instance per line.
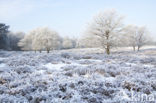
pixel 106 30
pixel 9 40
pixel 38 39
pixel 137 36
pixel 41 39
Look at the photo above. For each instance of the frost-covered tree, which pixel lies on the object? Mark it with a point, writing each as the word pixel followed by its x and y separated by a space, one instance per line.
pixel 74 41
pixel 131 36
pixel 49 39
pixel 108 27
pixel 14 38
pixel 143 37
pixel 36 41
pixel 136 36
pixel 40 39
pixel 26 42
pixel 89 42
pixel 67 43
pixel 9 40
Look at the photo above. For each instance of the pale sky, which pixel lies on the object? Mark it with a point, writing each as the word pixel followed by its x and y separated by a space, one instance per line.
pixel 70 17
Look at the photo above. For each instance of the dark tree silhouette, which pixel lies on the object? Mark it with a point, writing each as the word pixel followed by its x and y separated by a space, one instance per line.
pixel 3 36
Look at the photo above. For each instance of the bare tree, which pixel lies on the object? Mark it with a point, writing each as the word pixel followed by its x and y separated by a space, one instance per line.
pixel 142 37
pixel 131 36
pixel 108 27
pixel 136 36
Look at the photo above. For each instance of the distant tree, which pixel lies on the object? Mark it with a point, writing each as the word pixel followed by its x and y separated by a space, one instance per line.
pixel 67 43
pixel 3 36
pixel 108 27
pixel 131 36
pixel 89 42
pixel 14 38
pixel 137 36
pixel 49 39
pixel 36 40
pixel 59 43
pixel 40 39
pixel 143 37
pixel 74 41
pixel 26 42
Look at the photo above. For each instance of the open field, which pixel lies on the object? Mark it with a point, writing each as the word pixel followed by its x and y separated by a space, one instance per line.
pixel 78 75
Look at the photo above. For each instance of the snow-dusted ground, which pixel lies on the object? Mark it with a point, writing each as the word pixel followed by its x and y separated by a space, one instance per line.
pixel 77 76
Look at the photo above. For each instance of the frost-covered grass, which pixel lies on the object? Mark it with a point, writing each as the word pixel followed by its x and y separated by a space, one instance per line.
pixel 76 76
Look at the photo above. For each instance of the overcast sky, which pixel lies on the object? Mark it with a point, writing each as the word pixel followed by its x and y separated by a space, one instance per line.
pixel 69 17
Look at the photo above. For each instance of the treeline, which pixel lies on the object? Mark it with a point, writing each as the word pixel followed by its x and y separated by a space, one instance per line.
pixel 9 40
pixel 106 30
pixel 39 39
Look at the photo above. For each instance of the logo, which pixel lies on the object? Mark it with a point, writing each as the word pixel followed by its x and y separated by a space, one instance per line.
pixel 136 97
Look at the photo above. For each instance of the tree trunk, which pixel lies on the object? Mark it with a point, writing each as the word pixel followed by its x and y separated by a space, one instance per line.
pixel 133 48
pixel 108 50
pixel 40 51
pixel 35 51
pixel 138 48
pixel 107 45
pixel 48 50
